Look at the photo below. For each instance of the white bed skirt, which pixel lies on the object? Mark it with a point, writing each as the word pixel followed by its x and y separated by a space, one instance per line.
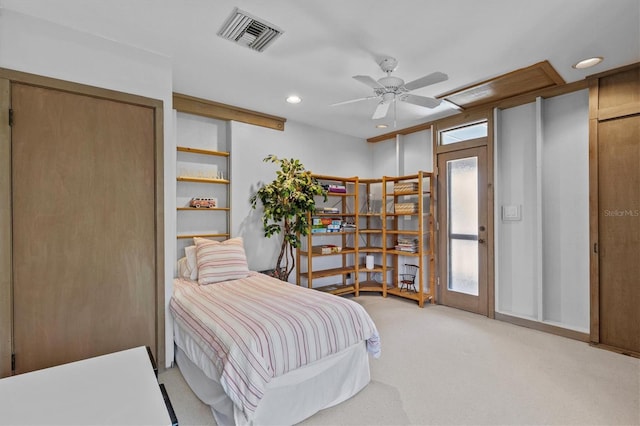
pixel 289 398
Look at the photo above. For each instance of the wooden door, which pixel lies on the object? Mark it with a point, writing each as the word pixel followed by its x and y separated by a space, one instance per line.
pixel 614 198
pixel 84 226
pixel 463 229
pixel 619 232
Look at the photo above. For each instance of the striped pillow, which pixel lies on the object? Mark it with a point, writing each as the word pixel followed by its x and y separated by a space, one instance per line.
pixel 220 261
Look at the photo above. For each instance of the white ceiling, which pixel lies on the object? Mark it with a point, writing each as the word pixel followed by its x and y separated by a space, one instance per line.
pixel 326 42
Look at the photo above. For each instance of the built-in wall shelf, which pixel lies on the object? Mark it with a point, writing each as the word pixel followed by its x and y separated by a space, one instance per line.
pixel 183 236
pixel 203 172
pixel 202 151
pixel 205 209
pixel 201 180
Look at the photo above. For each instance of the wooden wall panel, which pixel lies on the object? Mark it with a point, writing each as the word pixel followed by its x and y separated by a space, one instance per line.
pixel 6 303
pixel 619 89
pixel 614 155
pixel 619 229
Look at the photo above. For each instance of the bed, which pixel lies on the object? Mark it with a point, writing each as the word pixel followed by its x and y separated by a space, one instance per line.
pixel 262 351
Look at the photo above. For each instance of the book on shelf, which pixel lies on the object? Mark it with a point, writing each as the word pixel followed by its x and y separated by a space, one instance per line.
pixel 325 221
pixel 407 241
pixel 336 189
pixel 409 245
pixel 406 249
pixel 330 224
pixel 327 210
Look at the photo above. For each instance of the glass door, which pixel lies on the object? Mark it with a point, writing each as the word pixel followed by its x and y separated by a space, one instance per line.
pixel 462 210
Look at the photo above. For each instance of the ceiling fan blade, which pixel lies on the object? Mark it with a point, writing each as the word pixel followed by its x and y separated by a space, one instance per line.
pixel 353 100
pixel 421 100
pixel 433 78
pixel 381 110
pixel 369 81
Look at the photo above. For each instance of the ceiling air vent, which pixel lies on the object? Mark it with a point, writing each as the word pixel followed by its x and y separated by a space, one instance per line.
pixel 247 30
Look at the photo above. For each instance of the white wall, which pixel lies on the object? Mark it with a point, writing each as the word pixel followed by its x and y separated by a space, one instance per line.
pixel 516 248
pixel 542 260
pixel 405 155
pixel 195 131
pixel 36 46
pixel 320 151
pixel 565 210
pixel 418 152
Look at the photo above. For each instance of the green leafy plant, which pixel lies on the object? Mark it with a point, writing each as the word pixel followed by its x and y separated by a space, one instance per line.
pixel 286 202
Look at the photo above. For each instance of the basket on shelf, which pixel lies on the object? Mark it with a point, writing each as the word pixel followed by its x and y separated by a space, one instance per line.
pixel 405 187
pixel 406 208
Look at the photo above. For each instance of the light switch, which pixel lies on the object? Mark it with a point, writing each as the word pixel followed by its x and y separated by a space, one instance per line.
pixel 511 212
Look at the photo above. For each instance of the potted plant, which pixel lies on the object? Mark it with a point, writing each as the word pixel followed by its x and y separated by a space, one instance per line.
pixel 286 202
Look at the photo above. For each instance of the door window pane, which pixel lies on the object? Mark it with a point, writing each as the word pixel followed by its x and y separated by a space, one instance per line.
pixel 462 214
pixel 465 133
pixel 463 196
pixel 463 276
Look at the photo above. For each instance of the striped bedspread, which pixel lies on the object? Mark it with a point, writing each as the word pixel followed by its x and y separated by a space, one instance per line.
pixel 258 327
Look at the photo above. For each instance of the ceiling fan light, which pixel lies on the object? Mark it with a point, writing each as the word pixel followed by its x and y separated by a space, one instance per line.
pixel 589 62
pixel 294 99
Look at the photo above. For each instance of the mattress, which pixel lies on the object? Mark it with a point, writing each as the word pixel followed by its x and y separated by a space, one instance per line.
pixel 288 399
pixel 249 333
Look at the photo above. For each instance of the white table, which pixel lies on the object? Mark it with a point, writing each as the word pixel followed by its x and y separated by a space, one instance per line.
pixel 116 389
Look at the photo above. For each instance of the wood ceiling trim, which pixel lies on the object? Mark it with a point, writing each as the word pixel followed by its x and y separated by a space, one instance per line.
pixel 509 102
pixel 211 109
pixel 535 77
pixel 73 87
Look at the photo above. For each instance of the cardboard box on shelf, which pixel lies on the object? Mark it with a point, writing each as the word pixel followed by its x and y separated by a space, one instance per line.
pixel 326 249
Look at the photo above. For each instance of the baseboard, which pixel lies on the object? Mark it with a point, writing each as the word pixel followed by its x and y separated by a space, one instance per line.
pixel 540 326
pixel 617 350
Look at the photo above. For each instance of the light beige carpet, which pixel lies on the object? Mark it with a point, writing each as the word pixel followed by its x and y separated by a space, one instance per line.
pixel 443 366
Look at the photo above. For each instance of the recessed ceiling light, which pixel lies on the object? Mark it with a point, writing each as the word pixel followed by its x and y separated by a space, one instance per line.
pixel 381 126
pixel 294 99
pixel 586 63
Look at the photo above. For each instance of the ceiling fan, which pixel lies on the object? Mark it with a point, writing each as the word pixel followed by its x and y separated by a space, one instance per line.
pixel 391 89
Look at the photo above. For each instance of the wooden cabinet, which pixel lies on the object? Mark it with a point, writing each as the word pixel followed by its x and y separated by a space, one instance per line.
pixel 408 234
pixel 327 258
pixel 202 188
